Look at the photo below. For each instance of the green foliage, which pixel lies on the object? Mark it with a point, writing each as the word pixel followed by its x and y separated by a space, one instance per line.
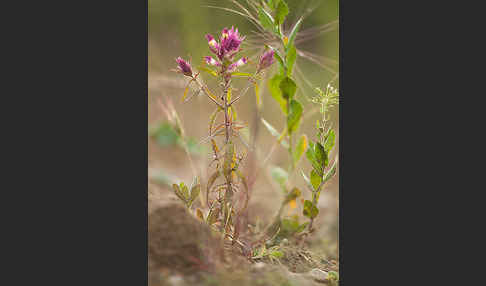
pixel 315 179
pixel 266 20
pixel 281 12
pixel 289 227
pixel 310 209
pixel 291 57
pixel 166 135
pixel 274 87
pixel 300 149
pixel 186 196
pixel 275 133
pixel 293 33
pixel 287 87
pixel 295 114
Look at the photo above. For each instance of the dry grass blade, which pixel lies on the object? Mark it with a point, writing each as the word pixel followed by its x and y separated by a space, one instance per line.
pixel 239 13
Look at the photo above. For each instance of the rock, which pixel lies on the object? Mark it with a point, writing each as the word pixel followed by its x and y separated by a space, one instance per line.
pixel 179 241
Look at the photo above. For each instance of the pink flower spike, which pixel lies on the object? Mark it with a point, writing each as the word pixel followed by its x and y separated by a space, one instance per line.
pixel 184 67
pixel 212 62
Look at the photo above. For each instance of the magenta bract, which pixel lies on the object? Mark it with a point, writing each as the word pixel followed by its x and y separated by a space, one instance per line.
pixel 266 59
pixel 184 66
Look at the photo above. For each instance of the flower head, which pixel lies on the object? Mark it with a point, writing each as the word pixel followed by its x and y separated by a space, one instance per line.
pixel 230 41
pixel 266 59
pixel 184 67
pixel 232 67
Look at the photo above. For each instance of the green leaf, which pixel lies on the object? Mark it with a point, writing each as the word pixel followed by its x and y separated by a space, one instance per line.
pixel 300 149
pixel 178 192
pixel 315 179
pixel 281 12
pixel 311 156
pixel 266 20
pixel 301 227
pixel 273 3
pixel 274 87
pixel 330 139
pixel 164 135
pixel 194 193
pixel 288 88
pixel 294 31
pixel 242 74
pixel 184 191
pixel 321 155
pixel 279 175
pixel 291 57
pixel 208 70
pixel 333 276
pixel 293 120
pixel 275 133
pixel 331 172
pixel 310 210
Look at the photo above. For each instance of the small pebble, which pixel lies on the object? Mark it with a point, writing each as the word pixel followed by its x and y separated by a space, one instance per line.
pixel 259 265
pixel 175 280
pixel 319 275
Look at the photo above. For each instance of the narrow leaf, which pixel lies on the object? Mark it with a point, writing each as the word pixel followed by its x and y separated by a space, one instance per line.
pixel 293 33
pixel 178 192
pixel 184 191
pixel 331 172
pixel 275 133
pixel 208 70
pixel 300 149
pixel 330 140
pixel 194 193
pixel 291 57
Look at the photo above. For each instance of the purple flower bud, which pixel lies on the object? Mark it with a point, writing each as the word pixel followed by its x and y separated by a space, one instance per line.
pixel 213 45
pixel 212 62
pixel 237 64
pixel 266 59
pixel 184 67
